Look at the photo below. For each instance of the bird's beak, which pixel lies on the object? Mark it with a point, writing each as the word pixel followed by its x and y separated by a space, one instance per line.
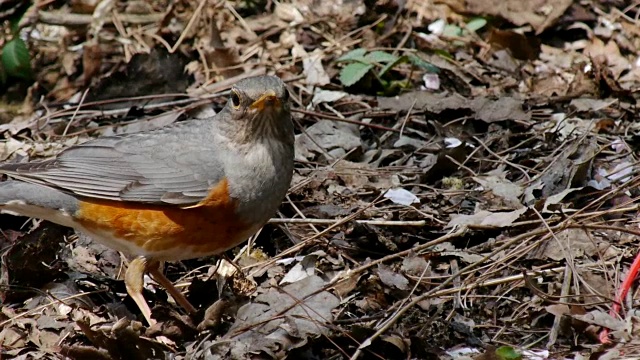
pixel 267 100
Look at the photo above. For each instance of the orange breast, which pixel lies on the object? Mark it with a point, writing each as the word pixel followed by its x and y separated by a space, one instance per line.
pixel 206 228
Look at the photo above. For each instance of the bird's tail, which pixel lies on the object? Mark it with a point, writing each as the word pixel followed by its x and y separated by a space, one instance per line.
pixel 38 201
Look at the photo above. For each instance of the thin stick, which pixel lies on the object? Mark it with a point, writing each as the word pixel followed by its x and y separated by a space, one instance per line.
pixel 566 286
pixel 71 19
pixel 506 280
pixel 392 320
pixel 524 172
pixel 75 113
pixel 194 17
pixel 333 221
pixel 331 117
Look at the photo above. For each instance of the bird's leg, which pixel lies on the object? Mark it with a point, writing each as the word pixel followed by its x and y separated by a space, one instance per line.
pixel 158 276
pixel 134 281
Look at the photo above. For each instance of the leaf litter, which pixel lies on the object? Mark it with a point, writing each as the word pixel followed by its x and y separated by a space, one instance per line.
pixel 465 183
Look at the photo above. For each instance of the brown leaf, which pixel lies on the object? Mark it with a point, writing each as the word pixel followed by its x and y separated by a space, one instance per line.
pixel 91 62
pixel 482 108
pixel 539 14
pixel 281 318
pixel 569 245
pixel 391 278
pixel 519 46
pixel 485 218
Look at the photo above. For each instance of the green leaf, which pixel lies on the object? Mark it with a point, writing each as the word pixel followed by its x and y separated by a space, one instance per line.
pixel 353 72
pixel 354 55
pixel 452 31
pixel 417 61
pixel 381 57
pixel 16 59
pixel 391 65
pixel 393 87
pixel 476 24
pixel 507 353
pixel 443 53
pixel 14 21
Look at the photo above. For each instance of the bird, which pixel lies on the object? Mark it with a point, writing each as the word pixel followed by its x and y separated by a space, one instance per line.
pixel 193 189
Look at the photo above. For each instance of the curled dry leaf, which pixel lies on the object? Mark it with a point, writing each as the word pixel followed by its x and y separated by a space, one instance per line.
pixel 326 137
pixel 486 218
pixel 508 193
pixel 301 270
pixel 278 320
pixel 568 245
pixel 483 108
pixel 391 278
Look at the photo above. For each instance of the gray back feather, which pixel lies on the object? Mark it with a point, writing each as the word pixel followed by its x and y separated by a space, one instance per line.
pixel 159 167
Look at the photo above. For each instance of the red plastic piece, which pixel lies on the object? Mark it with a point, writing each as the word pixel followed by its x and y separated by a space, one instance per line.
pixel 622 293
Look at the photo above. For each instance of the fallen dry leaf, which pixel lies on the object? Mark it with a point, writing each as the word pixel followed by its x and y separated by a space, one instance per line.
pixel 279 319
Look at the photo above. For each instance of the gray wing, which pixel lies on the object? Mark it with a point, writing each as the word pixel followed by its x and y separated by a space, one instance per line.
pixel 155 168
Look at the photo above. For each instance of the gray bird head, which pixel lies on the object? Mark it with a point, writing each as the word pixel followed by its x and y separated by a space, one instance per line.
pixel 259 107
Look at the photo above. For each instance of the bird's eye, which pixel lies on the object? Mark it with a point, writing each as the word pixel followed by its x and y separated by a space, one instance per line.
pixel 235 99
